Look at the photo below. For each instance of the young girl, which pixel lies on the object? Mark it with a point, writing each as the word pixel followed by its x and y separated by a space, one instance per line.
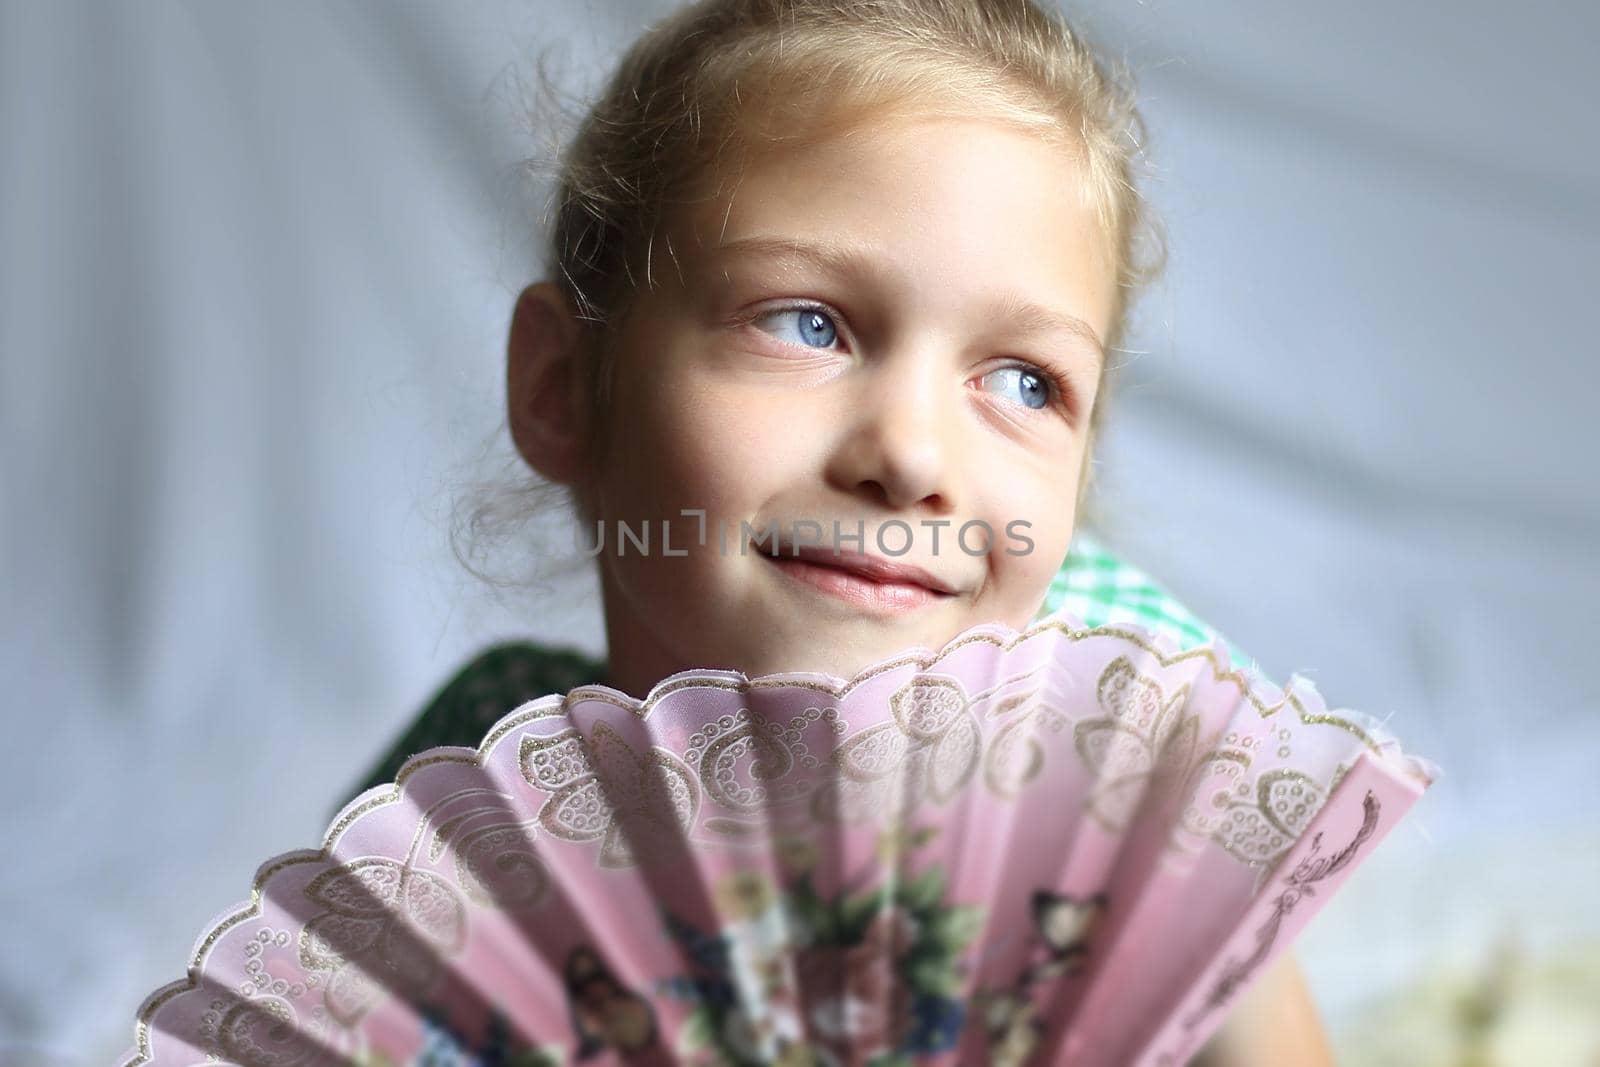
pixel 833 276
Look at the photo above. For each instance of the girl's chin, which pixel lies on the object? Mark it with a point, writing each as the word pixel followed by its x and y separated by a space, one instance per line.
pixel 842 663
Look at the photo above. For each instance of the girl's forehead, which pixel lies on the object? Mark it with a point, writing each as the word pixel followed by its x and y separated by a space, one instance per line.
pixel 879 158
pixel 769 128
pixel 930 191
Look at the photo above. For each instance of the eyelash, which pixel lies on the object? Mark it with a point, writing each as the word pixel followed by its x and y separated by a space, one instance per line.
pixel 1063 396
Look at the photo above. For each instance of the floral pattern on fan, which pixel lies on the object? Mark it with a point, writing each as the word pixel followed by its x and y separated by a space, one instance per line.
pixel 1014 1023
pixel 447 1047
pixel 864 977
pixel 861 978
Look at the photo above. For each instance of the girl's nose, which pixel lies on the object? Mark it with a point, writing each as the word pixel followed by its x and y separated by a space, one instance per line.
pixel 899 428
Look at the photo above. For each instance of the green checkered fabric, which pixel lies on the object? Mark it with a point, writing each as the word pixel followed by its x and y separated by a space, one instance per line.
pixel 1103 590
pixel 1093 585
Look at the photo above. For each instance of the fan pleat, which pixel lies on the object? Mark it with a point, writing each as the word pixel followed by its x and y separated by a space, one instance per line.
pixel 641 858
pixel 812 838
pixel 1114 848
pixel 523 911
pixel 409 965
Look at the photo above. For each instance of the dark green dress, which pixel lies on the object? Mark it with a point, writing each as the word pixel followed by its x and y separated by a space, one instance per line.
pixel 480 694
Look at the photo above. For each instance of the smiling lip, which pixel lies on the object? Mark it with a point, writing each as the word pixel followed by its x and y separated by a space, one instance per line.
pixel 866 581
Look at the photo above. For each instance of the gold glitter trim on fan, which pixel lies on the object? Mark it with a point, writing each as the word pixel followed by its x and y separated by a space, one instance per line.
pixel 557 704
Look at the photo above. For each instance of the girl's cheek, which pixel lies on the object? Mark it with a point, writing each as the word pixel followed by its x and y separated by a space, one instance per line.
pixel 713 456
pixel 718 429
pixel 749 413
pixel 1043 519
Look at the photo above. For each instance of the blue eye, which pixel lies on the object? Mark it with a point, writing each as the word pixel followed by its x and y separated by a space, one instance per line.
pixel 812 327
pixel 1033 387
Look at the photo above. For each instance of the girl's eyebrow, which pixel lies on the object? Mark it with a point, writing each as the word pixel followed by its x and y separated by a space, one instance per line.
pixel 1031 317
pixel 1014 309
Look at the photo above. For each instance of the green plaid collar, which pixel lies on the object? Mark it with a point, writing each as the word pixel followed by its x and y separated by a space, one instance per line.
pixel 1101 589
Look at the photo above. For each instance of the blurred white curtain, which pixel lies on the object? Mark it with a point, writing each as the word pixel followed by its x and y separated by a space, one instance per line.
pixel 256 269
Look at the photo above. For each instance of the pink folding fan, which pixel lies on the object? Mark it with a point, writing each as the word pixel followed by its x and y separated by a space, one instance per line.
pixel 1058 846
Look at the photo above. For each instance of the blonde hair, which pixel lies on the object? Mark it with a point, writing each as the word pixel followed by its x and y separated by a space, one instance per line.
pixel 719 80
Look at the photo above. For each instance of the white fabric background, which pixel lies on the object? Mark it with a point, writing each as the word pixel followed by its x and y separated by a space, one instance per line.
pixel 256 268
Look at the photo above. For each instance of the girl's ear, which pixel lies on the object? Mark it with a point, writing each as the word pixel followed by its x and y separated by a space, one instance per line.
pixel 544 384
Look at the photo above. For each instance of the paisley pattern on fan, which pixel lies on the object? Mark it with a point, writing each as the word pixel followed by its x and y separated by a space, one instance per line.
pixel 651 788
pixel 382 918
pixel 1144 741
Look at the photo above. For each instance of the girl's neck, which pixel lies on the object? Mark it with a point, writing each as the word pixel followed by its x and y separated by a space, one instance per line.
pixel 634 661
